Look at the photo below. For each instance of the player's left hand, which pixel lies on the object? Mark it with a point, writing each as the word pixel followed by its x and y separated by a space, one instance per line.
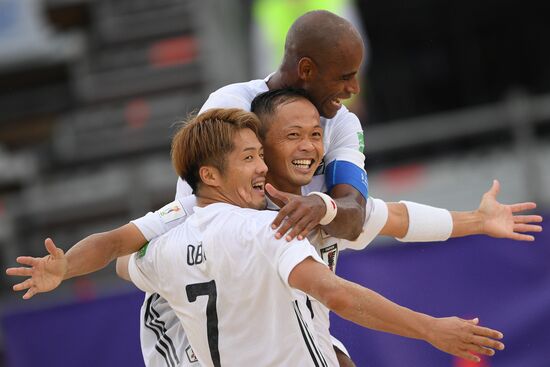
pixel 300 213
pixel 502 221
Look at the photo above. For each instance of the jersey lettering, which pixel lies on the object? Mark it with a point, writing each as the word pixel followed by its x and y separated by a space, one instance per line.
pixel 195 255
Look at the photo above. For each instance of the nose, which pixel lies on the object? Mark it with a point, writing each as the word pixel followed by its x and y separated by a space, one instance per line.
pixel 261 168
pixel 306 145
pixel 353 86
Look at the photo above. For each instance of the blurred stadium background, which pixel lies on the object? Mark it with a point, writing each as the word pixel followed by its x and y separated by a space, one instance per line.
pixel 454 94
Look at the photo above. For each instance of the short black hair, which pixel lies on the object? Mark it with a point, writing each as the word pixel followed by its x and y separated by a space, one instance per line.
pixel 265 104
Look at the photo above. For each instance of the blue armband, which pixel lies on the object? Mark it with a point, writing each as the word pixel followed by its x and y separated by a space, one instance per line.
pixel 344 172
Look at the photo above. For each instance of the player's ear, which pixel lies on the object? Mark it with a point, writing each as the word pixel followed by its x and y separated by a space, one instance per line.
pixel 306 68
pixel 209 175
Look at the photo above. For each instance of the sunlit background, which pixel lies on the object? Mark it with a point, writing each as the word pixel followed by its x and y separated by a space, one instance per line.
pixel 454 94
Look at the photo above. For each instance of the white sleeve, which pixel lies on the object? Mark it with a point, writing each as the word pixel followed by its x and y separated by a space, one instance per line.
pixel 225 100
pixel 293 253
pixel 372 226
pixel 169 216
pixel 143 267
pixel 346 140
pixel 282 255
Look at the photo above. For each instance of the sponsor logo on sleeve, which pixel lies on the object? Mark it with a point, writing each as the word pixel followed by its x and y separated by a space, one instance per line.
pixel 171 212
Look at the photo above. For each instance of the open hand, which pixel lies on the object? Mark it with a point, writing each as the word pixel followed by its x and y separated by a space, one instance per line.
pixel 44 273
pixel 501 221
pixel 463 338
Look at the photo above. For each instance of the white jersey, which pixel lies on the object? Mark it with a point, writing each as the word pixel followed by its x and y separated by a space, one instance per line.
pixel 342 140
pixel 225 275
pixel 327 247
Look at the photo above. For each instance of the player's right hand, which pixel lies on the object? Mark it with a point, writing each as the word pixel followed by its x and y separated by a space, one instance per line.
pixel 464 338
pixel 44 273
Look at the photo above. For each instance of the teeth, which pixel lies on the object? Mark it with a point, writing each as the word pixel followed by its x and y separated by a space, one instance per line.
pixel 258 185
pixel 302 162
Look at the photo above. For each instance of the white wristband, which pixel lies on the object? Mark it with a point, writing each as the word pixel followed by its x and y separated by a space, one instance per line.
pixel 377 217
pixel 427 223
pixel 330 204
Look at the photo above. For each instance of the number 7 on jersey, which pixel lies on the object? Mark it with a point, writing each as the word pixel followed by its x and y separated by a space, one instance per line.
pixel 208 289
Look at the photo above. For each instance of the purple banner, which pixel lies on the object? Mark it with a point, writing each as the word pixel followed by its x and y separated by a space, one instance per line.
pixel 504 283
pixel 102 332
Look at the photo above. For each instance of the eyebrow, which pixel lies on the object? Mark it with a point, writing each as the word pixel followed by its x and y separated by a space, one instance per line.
pixel 350 74
pixel 301 127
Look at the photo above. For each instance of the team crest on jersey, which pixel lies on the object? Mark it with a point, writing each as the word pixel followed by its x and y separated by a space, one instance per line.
pixel 321 169
pixel 329 254
pixel 191 354
pixel 171 212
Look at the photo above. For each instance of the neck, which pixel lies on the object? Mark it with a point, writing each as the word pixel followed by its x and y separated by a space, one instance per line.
pixel 205 201
pixel 207 196
pixel 281 79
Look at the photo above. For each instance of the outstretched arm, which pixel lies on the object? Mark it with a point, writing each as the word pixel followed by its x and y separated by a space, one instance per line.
pixel 367 308
pixel 491 218
pixel 88 255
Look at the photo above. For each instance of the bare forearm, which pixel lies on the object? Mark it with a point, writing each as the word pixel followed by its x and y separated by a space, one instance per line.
pixel 89 255
pixel 370 309
pixel 349 220
pixel 98 250
pixel 357 304
pixel 397 224
pixel 466 224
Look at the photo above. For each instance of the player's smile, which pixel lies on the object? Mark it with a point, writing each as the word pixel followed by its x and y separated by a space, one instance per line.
pixel 304 165
pixel 335 103
pixel 293 145
pixel 258 185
